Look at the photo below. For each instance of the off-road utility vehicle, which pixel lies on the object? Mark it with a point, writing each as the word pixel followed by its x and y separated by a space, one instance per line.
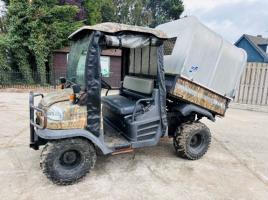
pixel 76 124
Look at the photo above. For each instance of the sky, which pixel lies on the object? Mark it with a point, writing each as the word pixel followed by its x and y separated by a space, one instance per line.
pixel 231 18
pixel 2 8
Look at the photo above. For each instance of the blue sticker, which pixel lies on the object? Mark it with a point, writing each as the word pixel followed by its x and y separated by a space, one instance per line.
pixel 193 69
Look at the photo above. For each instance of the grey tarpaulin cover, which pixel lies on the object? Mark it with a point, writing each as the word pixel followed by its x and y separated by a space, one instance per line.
pixel 116 28
pixel 131 41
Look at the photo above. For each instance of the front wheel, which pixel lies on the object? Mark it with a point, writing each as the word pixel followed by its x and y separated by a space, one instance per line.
pixel 192 140
pixel 67 161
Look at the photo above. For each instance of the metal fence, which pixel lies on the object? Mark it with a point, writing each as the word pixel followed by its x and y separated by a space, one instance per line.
pixel 253 87
pixel 252 90
pixel 16 79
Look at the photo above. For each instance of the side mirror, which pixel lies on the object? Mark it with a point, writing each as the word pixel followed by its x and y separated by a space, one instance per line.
pixel 62 80
pixel 76 88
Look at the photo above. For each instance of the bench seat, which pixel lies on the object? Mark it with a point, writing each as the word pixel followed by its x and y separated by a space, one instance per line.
pixel 120 104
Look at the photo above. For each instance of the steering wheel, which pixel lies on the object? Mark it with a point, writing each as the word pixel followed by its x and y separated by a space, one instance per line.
pixel 105 85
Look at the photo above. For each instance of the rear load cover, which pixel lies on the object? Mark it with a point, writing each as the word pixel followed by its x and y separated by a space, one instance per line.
pixel 204 57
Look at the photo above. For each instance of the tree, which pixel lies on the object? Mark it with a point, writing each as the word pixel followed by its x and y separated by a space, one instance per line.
pixel 108 10
pixel 93 9
pixel 148 12
pixel 4 54
pixel 136 12
pixel 81 15
pixel 36 29
pixel 164 10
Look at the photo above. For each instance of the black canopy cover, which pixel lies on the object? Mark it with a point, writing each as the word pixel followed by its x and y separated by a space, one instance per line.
pixel 93 72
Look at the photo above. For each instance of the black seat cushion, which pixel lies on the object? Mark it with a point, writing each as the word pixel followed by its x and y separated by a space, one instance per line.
pixel 120 105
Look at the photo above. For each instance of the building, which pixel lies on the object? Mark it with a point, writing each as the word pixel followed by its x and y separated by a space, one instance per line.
pixel 255 46
pixel 60 58
pixel 110 62
pixel 253 87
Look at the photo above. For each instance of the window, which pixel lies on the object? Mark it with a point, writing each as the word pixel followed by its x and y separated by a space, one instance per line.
pixel 77 61
pixel 143 61
pixel 169 46
pixel 80 70
pixel 105 66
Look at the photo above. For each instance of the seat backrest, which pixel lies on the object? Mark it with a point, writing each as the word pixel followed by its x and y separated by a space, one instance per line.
pixel 140 85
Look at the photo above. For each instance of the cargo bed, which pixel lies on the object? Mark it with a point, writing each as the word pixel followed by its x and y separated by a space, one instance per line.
pixel 183 89
pixel 196 53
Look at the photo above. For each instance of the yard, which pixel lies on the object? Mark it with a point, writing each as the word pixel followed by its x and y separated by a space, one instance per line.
pixel 235 167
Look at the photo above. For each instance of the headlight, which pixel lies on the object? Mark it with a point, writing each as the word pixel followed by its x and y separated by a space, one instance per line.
pixel 55 113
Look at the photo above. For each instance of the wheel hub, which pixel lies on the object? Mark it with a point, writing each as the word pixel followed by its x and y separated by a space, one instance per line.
pixel 196 141
pixel 70 158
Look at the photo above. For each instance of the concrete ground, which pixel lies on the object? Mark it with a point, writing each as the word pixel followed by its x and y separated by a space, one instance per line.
pixel 235 167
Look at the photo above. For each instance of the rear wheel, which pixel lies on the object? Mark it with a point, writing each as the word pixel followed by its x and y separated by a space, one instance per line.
pixel 67 161
pixel 192 140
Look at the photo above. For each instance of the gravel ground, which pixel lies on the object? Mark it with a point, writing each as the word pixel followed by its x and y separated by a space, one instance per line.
pixel 235 167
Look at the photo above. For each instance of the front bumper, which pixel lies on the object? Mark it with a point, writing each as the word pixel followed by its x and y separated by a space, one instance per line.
pixel 35 141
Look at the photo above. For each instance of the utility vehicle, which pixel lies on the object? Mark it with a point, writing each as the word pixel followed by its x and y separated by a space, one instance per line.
pixel 76 124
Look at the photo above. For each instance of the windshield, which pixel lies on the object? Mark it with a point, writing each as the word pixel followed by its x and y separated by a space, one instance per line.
pixel 77 61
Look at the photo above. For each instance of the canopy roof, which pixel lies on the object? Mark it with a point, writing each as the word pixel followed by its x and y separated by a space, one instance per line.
pixel 109 27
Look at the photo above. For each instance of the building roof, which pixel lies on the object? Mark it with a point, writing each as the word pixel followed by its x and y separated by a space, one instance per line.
pixel 63 50
pixel 112 52
pixel 107 52
pixel 256 41
pixel 110 27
